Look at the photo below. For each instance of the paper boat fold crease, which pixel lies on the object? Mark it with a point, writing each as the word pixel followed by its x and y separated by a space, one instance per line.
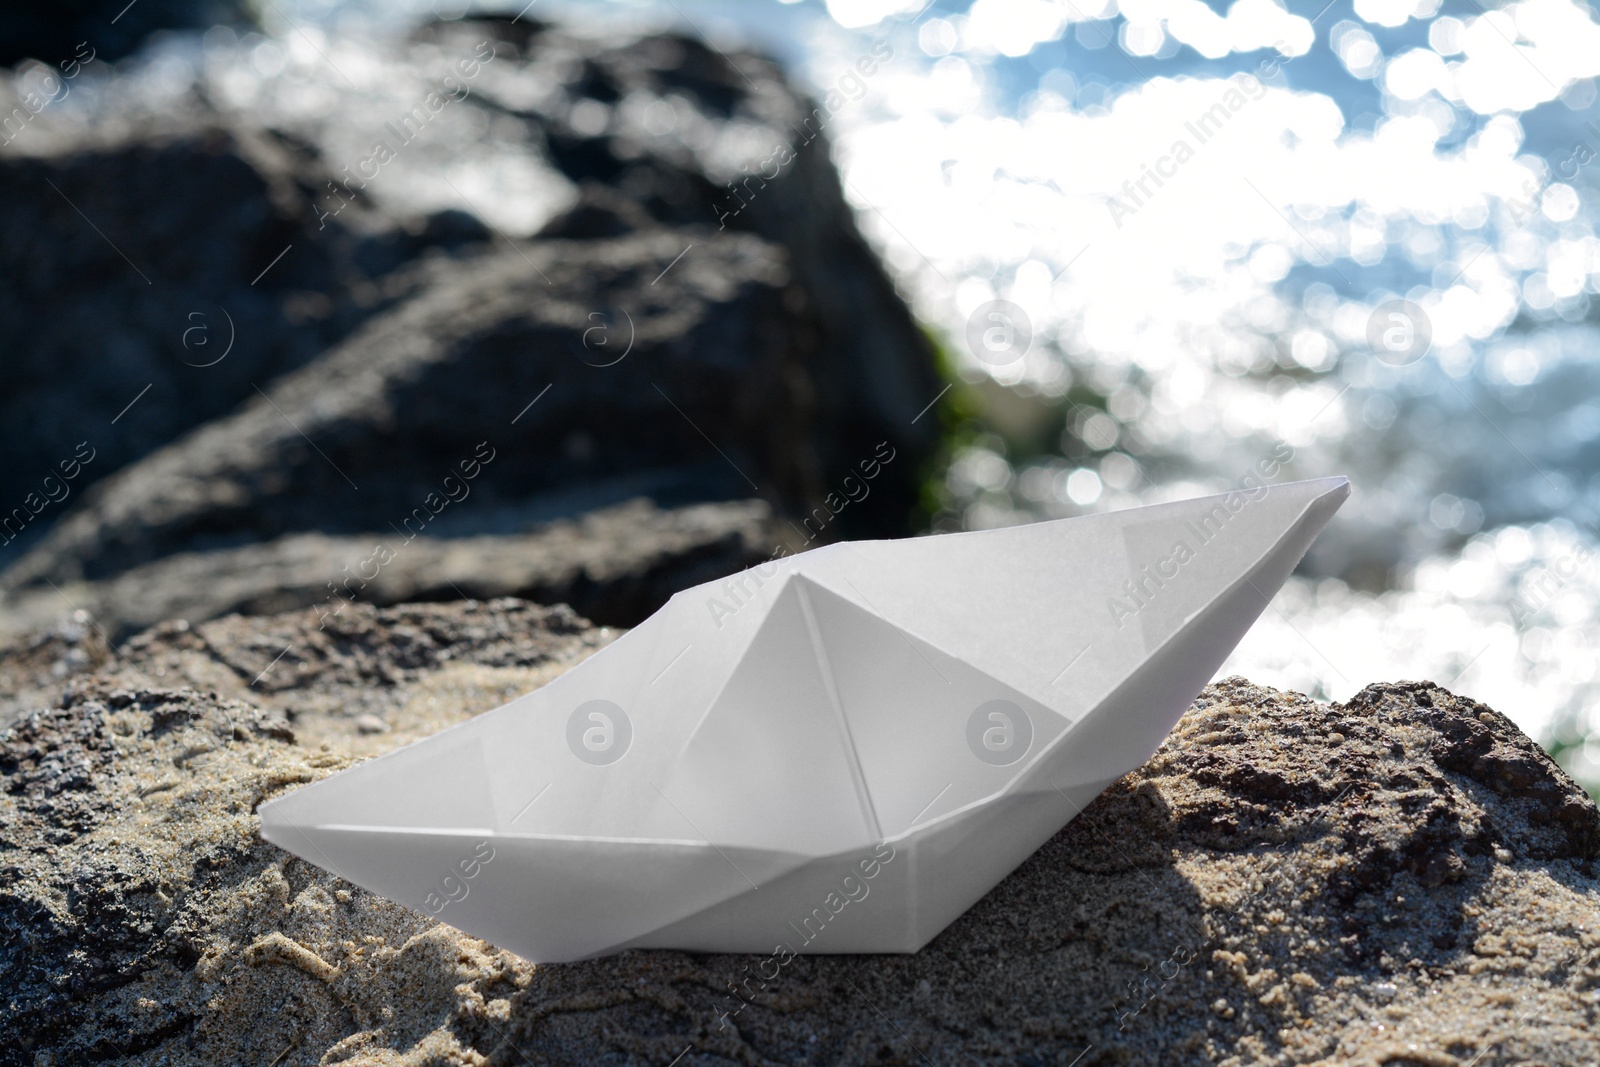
pixel 838 751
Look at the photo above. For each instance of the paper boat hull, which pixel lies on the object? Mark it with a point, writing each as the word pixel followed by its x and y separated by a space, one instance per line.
pixel 811 772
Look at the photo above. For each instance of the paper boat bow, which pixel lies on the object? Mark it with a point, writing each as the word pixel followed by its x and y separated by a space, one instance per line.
pixel 840 751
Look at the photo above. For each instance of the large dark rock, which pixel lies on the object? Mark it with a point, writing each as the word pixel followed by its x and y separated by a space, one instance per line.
pixel 401 335
pixel 421 423
pixel 199 212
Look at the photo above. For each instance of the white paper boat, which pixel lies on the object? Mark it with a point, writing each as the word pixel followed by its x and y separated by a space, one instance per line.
pixel 840 751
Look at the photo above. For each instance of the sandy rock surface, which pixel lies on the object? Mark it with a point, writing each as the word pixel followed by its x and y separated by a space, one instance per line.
pixel 1401 880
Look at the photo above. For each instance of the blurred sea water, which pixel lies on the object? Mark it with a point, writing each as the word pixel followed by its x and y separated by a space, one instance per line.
pixel 1210 287
pixel 1360 236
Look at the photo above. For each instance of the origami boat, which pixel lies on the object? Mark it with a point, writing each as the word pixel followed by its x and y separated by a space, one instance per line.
pixel 838 751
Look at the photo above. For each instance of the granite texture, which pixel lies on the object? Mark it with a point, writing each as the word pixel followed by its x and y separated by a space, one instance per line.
pixel 1402 880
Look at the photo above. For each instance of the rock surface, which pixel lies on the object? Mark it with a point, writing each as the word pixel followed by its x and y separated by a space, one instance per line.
pixel 87 331
pixel 544 266
pixel 616 565
pixel 1401 880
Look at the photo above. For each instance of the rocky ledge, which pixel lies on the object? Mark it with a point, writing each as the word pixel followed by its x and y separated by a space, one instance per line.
pixel 1403 880
pixel 573 284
